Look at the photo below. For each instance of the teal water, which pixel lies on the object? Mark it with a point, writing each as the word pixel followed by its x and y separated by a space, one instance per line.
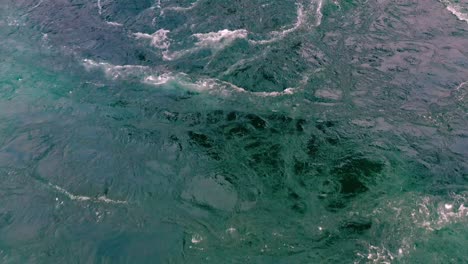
pixel 233 131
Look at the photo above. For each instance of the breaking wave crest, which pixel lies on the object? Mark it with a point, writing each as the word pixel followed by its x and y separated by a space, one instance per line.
pixel 457 9
pixel 82 198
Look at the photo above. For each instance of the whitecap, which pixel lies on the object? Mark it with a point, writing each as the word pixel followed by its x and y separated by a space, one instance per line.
pixel 210 85
pixel 434 217
pixel 99 7
pixel 318 13
pixel 456 10
pixel 287 91
pixel 460 85
pixel 224 88
pixel 301 21
pixel 181 9
pixel 115 71
pixel 460 92
pixel 158 80
pixel 196 238
pixel 278 35
pixel 220 39
pixel 412 218
pixel 115 24
pixel 159 39
pixel 211 40
pixel 82 198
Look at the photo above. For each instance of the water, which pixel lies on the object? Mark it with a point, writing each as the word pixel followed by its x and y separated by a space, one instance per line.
pixel 233 131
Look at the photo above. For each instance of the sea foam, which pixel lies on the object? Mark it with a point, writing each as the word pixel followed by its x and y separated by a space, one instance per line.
pixel 220 39
pixel 115 71
pixel 159 39
pixel 82 198
pixel 211 40
pixel 457 10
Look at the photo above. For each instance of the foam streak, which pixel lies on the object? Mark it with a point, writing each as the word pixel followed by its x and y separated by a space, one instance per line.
pixel 81 198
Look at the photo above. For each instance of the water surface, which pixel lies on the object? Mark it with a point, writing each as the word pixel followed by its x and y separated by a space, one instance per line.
pixel 257 131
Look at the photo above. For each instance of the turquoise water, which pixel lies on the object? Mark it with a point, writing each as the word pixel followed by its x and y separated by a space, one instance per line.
pixel 233 131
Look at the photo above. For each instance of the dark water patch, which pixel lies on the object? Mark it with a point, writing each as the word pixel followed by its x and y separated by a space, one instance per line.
pixel 356 173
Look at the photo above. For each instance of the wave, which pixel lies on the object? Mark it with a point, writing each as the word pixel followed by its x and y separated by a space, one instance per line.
pixel 99 5
pixel 414 223
pixel 158 80
pixel 181 9
pixel 220 39
pixel 456 9
pixel 211 40
pixel 82 198
pixel 223 38
pixel 159 39
pixel 115 71
pixel 210 85
pixel 115 24
pixel 435 217
pixel 278 35
pixel 318 13
pixel 145 75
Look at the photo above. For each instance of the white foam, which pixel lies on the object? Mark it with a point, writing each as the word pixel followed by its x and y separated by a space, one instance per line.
pixel 460 93
pixel 85 198
pixel 318 13
pixel 460 85
pixel 278 35
pixel 115 71
pixel 220 39
pixel 99 7
pixel 227 88
pixel 412 218
pixel 196 238
pixel 457 11
pixel 158 80
pixel 34 7
pixel 182 9
pixel 379 255
pixel 211 40
pixel 115 24
pixel 301 21
pixel 445 213
pixel 209 85
pixel 287 91
pixel 159 39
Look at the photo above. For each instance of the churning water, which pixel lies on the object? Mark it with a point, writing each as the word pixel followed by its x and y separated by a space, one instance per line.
pixel 248 131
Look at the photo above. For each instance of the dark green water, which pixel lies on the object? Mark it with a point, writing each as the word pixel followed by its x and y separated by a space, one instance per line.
pixel 214 131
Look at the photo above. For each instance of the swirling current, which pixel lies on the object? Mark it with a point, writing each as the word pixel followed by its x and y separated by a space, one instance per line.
pixel 247 131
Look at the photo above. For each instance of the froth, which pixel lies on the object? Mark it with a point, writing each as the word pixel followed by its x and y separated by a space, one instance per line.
pixel 158 80
pixel 99 7
pixel 85 198
pixel 159 39
pixel 210 85
pixel 146 76
pixel 457 10
pixel 219 39
pixel 182 9
pixel 115 24
pixel 115 71
pixel 277 35
pixel 211 40
pixel 318 13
